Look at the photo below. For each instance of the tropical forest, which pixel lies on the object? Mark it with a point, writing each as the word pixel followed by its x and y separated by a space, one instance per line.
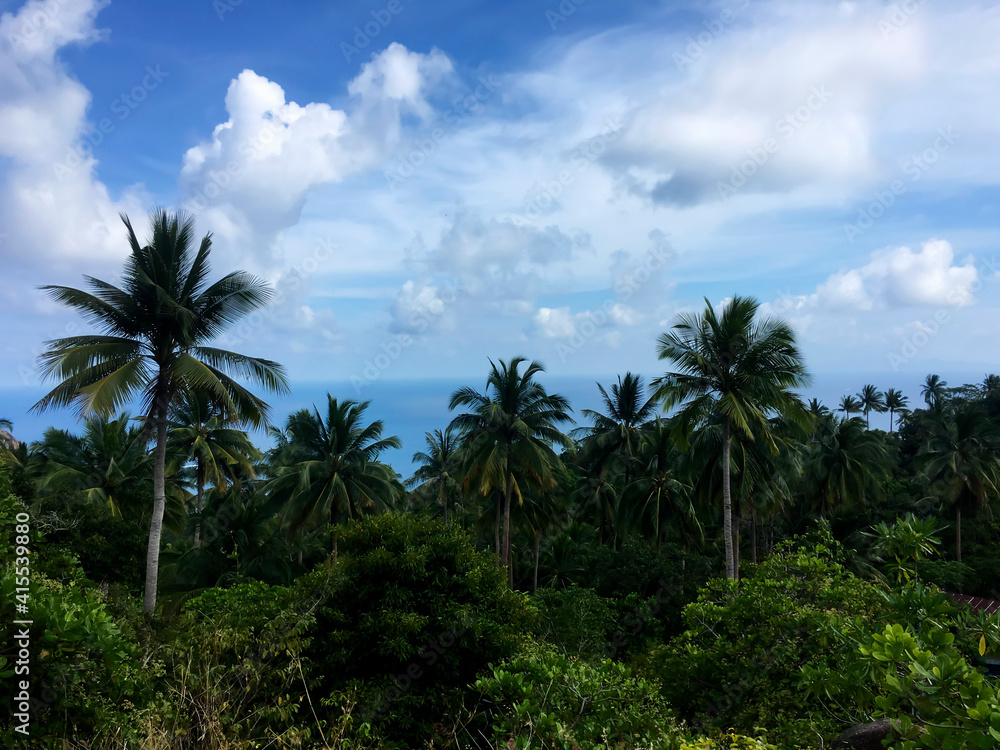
pixel 706 561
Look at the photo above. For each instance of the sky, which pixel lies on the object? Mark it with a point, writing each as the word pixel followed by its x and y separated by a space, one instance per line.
pixel 428 185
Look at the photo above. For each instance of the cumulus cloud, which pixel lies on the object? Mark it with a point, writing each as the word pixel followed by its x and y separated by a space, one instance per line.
pixel 250 181
pixel 768 112
pixel 893 278
pixel 53 205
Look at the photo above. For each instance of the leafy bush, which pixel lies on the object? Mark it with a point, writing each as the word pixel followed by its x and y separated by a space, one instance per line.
pixel 411 613
pixel 85 679
pixel 738 663
pixel 546 699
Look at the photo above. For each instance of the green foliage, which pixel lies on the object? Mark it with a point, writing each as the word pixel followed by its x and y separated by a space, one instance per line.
pixel 85 680
pixel 917 670
pixel 737 665
pixel 237 669
pixel 543 698
pixel 728 742
pixel 578 622
pixel 410 614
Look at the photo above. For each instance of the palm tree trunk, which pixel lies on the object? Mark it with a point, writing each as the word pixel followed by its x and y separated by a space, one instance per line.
pixel 737 525
pixel 958 534
pixel 159 503
pixel 727 503
pixel 509 491
pixel 753 523
pixel 197 504
pixel 496 526
pixel 890 421
pixel 538 544
pixel 443 500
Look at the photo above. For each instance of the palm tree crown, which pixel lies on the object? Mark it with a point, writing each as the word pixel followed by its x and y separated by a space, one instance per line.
pixel 871 400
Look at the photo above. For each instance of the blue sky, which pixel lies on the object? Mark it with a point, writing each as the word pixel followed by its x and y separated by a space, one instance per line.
pixel 485 179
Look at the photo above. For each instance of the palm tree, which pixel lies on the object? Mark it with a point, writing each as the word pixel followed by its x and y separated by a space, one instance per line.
pixel 327 468
pixel 961 459
pixel 991 385
pixel 108 461
pixel 7 441
pixel 934 390
pixel 737 368
pixel 200 432
pixel 894 401
pixel 817 408
pixel 6 424
pixel 154 345
pixel 507 436
pixel 844 463
pixel 849 405
pixel 438 466
pixel 627 409
pixel 660 495
pixel 871 399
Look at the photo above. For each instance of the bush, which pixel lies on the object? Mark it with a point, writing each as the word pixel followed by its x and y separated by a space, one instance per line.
pixel 738 663
pixel 85 679
pixel 546 699
pixel 411 613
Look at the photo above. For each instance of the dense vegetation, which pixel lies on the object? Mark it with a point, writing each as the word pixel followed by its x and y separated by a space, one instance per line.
pixel 708 562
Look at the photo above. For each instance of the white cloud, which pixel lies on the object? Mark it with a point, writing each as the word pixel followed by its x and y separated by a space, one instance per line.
pixel 53 205
pixel 901 277
pixel 251 180
pixel 555 322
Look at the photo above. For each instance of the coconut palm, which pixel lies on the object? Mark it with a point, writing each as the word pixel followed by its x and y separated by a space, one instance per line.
pixel 201 433
pixel 508 434
pixel 817 408
pixel 6 424
pixel 659 494
pixel 106 464
pixel 934 390
pixel 438 466
pixel 737 368
pixel 617 429
pixel 153 345
pixel 960 458
pixel 849 405
pixel 871 400
pixel 844 463
pixel 327 467
pixel 894 402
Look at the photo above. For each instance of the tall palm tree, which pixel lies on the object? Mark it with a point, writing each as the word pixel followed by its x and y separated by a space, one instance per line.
pixel 153 345
pixel 438 466
pixel 871 400
pixel 894 401
pixel 201 433
pixel 849 405
pixel 844 463
pixel 508 435
pixel 327 467
pixel 960 457
pixel 738 368
pixel 934 390
pixel 991 385
pixel 6 424
pixel 108 461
